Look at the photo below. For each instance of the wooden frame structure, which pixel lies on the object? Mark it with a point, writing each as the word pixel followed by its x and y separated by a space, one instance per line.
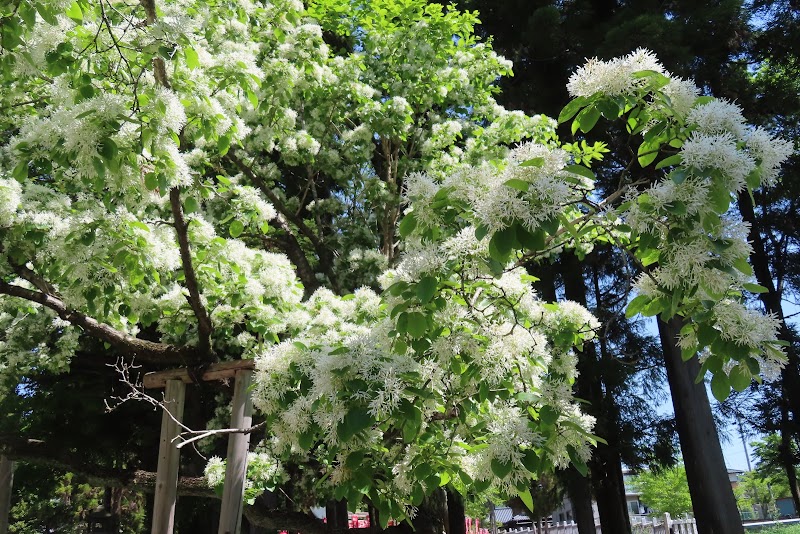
pixel 174 384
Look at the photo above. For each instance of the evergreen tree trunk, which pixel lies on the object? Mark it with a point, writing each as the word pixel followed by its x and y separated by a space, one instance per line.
pixel 336 515
pixel 605 465
pixel 785 451
pixel 790 374
pixel 608 488
pixel 456 515
pixel 580 495
pixel 712 497
pixel 6 485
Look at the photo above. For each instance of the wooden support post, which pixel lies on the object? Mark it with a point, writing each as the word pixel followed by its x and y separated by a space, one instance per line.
pixel 6 485
pixel 230 520
pixel 168 459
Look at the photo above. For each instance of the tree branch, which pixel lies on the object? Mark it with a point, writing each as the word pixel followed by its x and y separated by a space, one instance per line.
pixel 297 256
pixel 36 451
pixel 144 350
pixel 319 246
pixel 203 320
pixel 279 205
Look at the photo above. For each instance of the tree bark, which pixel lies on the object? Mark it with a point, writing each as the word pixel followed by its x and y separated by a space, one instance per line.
pixel 609 490
pixel 6 486
pixel 336 515
pixel 455 513
pixel 712 496
pixel 606 464
pixel 580 495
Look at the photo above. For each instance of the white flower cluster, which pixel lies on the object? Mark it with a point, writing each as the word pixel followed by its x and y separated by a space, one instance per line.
pixel 495 197
pixel 10 198
pixel 700 248
pixel 614 77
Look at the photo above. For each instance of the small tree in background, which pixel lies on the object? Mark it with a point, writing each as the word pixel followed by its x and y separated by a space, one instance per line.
pixel 665 491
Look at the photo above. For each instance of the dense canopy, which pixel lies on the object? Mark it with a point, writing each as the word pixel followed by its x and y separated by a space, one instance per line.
pixel 186 183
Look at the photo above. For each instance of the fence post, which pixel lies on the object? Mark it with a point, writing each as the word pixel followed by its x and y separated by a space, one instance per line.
pixel 667 523
pixel 168 459
pixel 230 521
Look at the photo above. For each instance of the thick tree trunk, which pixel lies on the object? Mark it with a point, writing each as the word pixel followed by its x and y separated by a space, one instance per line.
pixel 609 490
pixel 6 485
pixel 336 515
pixel 606 464
pixel 455 513
pixel 580 495
pixel 712 497
pixel 787 460
pixel 790 374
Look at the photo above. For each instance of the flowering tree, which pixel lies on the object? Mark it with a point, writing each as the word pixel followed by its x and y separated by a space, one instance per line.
pixel 154 155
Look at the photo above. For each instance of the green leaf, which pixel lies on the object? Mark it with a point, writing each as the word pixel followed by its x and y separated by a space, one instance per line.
pixel 636 305
pixel 647 154
pixel 108 149
pixel 706 335
pixel 86 91
pixel 501 244
pixel 609 109
pixel 74 12
pixel 755 288
pixel 519 185
pixel 480 232
pixel 720 198
pixel 587 118
pixel 426 288
pixel 677 159
pixel 740 377
pixel 417 324
pixel 151 181
pixel 720 386
pixel 407 225
pixel 236 228
pixel 548 415
pixel 581 170
pixel 20 172
pixel 577 462
pixel 223 144
pixel 743 266
pixel 571 109
pixel 551 225
pixel 531 461
pixel 500 469
pixel 527 499
pixel 192 59
pixel 533 162
pixel 356 420
pixel 531 241
pixel 678 175
pixel 190 205
pixel 354 460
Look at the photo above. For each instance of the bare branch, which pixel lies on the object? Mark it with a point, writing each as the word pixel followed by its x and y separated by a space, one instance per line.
pixel 136 393
pixel 219 431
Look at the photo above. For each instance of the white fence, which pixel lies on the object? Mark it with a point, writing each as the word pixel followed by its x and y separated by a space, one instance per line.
pixel 640 525
pixel 663 525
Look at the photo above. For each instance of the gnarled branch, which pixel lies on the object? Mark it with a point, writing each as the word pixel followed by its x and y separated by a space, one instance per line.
pixel 144 350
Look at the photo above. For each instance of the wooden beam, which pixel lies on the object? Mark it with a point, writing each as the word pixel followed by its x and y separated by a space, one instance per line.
pixel 216 371
pixel 6 485
pixel 230 520
pixel 168 459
